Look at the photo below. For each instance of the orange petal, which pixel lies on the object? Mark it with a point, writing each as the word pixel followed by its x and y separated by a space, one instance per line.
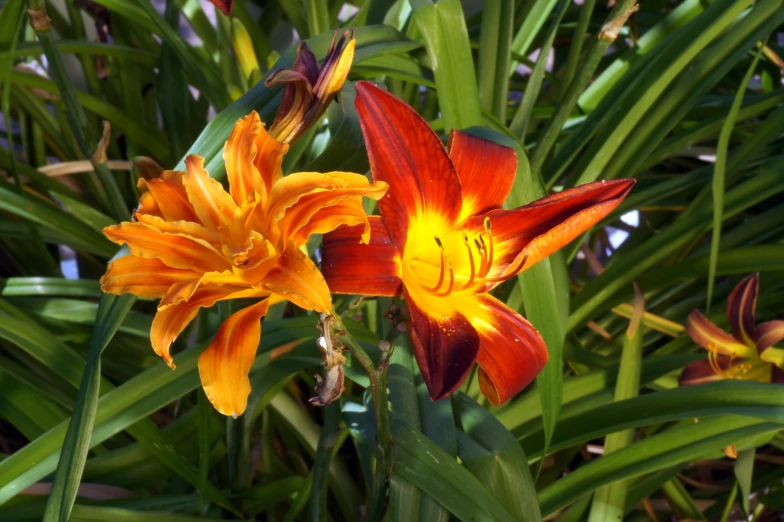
pixel 172 200
pixel 238 154
pixel 348 212
pixel 349 267
pixel 486 171
pixel 172 320
pixel 268 160
pixel 702 371
pixel 214 206
pixel 176 251
pixel 297 197
pixel 224 365
pixel 405 153
pixel 713 338
pixel 444 342
pixel 184 290
pixel 511 351
pixel 142 277
pixel 187 229
pixel 740 308
pixel 536 230
pixel 297 279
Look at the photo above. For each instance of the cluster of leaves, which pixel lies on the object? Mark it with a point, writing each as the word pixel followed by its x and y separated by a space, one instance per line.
pixel 686 98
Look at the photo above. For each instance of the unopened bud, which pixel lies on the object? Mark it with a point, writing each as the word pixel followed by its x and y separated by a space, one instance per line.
pixel 145 168
pixel 384 346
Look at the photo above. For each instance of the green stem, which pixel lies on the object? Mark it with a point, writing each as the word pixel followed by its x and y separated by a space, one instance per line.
pixel 378 387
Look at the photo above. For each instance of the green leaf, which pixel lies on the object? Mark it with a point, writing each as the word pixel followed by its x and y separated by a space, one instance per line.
pixel 719 174
pixel 420 461
pixel 609 501
pixel 688 442
pixel 444 31
pixel 494 456
pixel 111 313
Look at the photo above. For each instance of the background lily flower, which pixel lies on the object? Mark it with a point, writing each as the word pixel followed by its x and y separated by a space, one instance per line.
pixel 444 242
pixel 748 354
pixel 193 244
pixel 224 5
pixel 310 88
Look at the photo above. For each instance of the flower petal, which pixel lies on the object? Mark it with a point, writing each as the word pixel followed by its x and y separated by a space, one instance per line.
pixel 767 334
pixel 349 211
pixel 268 160
pixel 740 308
pixel 142 277
pixel 296 278
pixel 297 197
pixel 444 342
pixel 511 351
pixel 536 230
pixel 336 66
pixel 486 171
pixel 214 206
pixel 224 365
pixel 702 371
pixel 176 251
pixel 184 290
pixel 349 267
pixel 713 338
pixel 238 154
pixel 405 153
pixel 172 201
pixel 169 322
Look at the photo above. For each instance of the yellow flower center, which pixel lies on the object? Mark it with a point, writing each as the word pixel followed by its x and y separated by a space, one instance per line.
pixel 453 262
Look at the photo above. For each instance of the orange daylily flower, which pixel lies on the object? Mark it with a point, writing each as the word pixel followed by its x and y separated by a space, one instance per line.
pixel 748 354
pixel 193 244
pixel 310 88
pixel 444 242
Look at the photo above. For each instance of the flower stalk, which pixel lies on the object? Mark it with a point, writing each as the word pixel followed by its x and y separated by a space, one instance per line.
pixel 378 388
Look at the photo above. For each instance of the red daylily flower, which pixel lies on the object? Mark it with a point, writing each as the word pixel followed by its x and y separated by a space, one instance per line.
pixel 748 354
pixel 224 5
pixel 444 242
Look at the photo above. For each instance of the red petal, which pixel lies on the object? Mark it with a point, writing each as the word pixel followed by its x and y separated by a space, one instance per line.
pixel 445 344
pixel 546 225
pixel 713 338
pixel 350 267
pixel 486 171
pixel 405 152
pixel 511 351
pixel 767 334
pixel 740 308
pixel 223 5
pixel 701 371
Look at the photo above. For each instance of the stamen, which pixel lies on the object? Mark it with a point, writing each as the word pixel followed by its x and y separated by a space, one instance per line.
pixel 484 266
pixel 451 281
pixel 470 281
pixel 489 231
pixel 443 265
